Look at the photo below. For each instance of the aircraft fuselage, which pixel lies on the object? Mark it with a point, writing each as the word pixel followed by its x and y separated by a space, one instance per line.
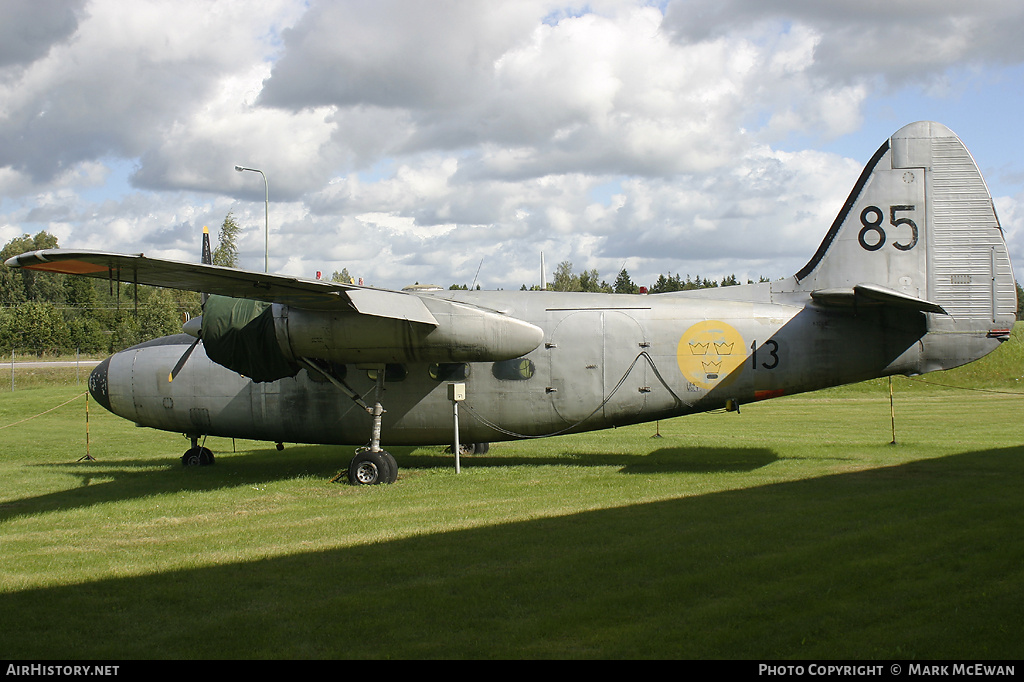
pixel 605 360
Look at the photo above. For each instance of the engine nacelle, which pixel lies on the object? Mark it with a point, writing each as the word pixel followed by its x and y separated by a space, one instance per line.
pixel 264 341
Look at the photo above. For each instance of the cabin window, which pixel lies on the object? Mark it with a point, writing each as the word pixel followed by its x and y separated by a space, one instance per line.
pixel 392 373
pixel 519 369
pixel 448 371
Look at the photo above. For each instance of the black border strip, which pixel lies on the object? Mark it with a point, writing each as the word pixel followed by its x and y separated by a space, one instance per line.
pixel 838 222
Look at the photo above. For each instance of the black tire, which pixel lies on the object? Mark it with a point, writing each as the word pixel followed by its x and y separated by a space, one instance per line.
pixel 369 468
pixel 392 465
pixel 197 457
pixel 471 448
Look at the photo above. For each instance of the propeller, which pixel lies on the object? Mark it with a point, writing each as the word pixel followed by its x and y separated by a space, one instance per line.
pixel 194 326
pixel 182 360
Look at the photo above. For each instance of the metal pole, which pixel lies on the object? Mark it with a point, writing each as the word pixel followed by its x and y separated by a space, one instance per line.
pixel 456 393
pixel 266 224
pixel 892 413
pixel 266 216
pixel 87 455
pixel 455 407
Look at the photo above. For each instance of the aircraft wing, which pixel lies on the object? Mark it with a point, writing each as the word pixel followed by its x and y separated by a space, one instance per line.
pixel 215 279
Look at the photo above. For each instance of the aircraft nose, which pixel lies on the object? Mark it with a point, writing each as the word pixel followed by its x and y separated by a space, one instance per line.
pixel 98 384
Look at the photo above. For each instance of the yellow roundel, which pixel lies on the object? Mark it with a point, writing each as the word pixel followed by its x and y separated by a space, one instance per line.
pixel 710 352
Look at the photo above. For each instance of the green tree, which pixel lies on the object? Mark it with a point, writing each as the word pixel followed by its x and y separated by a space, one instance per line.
pixel 158 314
pixel 342 277
pixel 226 253
pixel 666 284
pixel 590 281
pixel 565 280
pixel 86 334
pixel 21 285
pixel 125 331
pixel 38 327
pixel 623 284
pixel 84 316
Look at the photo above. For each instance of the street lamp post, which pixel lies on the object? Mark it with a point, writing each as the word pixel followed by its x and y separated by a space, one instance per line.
pixel 266 227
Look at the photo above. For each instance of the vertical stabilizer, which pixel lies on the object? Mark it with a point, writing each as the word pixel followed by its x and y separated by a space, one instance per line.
pixel 920 221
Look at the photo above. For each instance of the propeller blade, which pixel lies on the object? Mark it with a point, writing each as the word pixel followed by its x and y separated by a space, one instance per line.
pixel 207 258
pixel 194 326
pixel 181 361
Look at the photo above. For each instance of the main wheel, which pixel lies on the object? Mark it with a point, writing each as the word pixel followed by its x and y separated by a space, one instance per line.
pixel 471 448
pixel 197 457
pixel 392 466
pixel 371 468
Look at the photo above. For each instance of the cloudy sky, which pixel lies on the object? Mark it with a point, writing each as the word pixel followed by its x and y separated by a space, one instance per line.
pixel 427 140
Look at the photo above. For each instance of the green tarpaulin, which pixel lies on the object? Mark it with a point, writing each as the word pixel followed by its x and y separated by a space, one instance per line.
pixel 239 334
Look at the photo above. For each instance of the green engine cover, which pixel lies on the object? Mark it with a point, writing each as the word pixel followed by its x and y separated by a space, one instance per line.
pixel 239 334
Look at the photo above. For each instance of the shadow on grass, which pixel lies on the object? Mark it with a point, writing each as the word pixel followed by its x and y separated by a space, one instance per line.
pixel 921 560
pixel 664 460
pixel 102 482
pixel 116 480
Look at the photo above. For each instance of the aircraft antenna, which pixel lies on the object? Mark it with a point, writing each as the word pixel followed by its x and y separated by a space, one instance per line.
pixel 477 274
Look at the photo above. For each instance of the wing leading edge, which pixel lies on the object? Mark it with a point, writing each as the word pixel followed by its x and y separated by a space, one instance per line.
pixel 215 279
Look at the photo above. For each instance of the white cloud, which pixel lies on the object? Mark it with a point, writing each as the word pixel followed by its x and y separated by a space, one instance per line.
pixel 407 140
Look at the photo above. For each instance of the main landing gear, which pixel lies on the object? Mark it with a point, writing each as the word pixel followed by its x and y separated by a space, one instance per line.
pixel 197 455
pixel 472 448
pixel 371 465
pixel 371 468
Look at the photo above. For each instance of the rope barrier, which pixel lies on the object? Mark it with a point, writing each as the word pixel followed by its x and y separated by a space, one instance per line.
pixel 45 412
pixel 965 388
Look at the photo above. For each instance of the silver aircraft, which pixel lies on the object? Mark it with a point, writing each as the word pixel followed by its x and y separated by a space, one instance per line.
pixel 913 276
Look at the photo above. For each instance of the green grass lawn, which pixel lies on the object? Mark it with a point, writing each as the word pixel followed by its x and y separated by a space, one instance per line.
pixel 792 530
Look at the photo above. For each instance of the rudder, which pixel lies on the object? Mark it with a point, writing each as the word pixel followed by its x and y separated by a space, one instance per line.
pixel 920 221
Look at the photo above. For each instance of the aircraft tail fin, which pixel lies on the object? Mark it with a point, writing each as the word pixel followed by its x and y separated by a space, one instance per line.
pixel 918 231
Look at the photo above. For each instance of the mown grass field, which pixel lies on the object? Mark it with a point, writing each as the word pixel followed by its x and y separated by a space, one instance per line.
pixel 792 530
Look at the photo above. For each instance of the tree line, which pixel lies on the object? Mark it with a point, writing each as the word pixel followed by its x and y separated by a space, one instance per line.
pixel 566 279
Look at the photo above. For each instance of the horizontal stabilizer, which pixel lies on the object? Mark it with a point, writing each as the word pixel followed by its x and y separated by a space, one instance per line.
pixel 876 295
pixel 214 279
